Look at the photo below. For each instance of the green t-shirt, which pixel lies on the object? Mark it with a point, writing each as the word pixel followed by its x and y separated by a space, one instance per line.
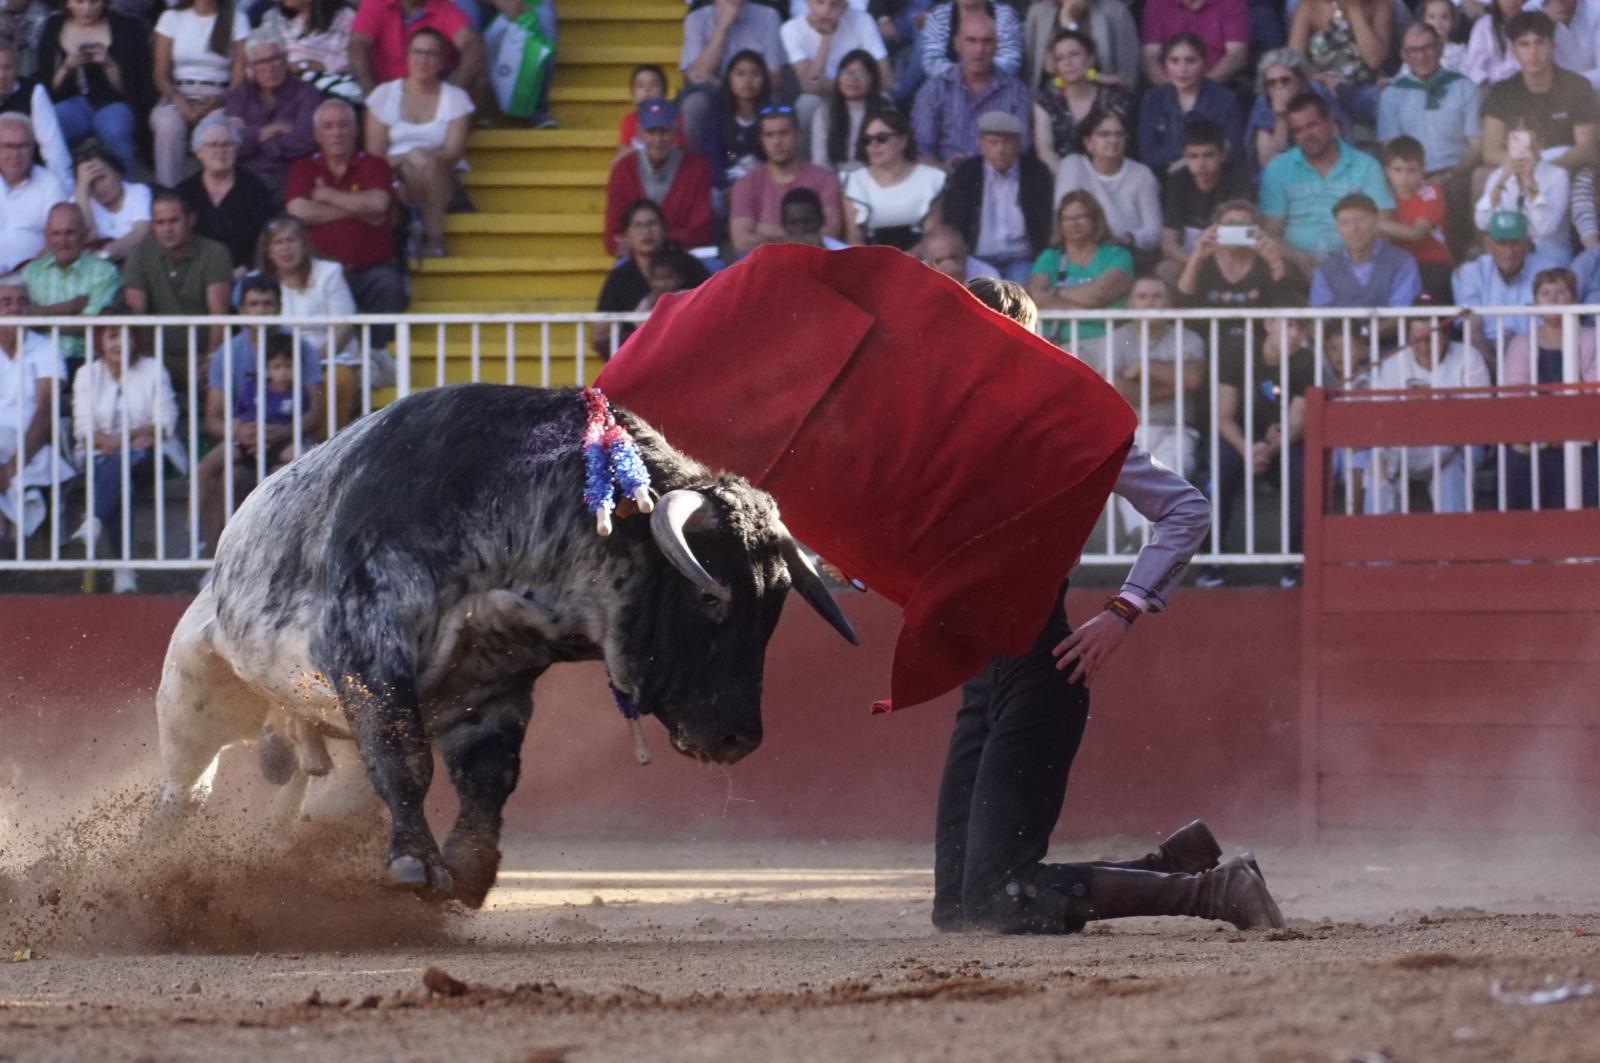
pixel 1064 273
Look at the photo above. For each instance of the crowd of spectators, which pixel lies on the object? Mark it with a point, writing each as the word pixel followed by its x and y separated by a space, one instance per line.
pixel 1111 154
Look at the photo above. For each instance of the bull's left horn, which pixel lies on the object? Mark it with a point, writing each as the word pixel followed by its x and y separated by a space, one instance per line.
pixel 677 510
pixel 809 583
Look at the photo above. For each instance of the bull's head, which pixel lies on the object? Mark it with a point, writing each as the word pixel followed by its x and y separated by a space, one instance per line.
pixel 694 639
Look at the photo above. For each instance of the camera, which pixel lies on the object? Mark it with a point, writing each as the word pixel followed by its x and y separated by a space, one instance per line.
pixel 1237 235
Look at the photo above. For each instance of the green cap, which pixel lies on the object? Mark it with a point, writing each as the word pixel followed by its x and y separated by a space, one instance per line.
pixel 1507 225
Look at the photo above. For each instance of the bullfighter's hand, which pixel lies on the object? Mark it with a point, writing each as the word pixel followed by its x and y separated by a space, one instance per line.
pixel 1089 647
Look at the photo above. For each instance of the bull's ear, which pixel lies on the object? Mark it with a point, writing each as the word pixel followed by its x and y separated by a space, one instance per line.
pixel 808 582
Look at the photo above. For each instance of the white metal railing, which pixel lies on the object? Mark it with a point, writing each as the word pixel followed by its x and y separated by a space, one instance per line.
pixel 162 514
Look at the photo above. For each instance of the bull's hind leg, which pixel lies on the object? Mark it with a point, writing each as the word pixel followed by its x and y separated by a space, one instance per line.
pixel 483 754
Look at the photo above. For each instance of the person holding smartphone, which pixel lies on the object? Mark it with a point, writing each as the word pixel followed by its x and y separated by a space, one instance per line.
pixel 96 64
pixel 1534 187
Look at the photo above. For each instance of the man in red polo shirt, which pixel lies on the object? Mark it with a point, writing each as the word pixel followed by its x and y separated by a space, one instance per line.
pixel 379 34
pixel 346 199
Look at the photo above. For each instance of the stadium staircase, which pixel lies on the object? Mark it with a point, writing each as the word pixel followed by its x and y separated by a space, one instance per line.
pixel 534 243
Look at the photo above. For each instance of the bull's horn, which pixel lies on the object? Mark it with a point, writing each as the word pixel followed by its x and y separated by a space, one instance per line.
pixel 677 510
pixel 807 581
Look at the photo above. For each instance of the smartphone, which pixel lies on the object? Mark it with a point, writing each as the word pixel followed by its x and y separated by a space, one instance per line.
pixel 1519 144
pixel 1238 235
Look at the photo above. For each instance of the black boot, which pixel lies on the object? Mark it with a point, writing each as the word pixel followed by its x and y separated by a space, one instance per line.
pixel 1189 850
pixel 1232 892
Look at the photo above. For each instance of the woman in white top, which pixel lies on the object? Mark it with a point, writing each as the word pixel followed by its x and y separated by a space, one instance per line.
pixel 1125 188
pixel 836 127
pixel 120 391
pixel 117 212
pixel 196 58
pixel 894 198
pixel 315 287
pixel 1538 190
pixel 420 124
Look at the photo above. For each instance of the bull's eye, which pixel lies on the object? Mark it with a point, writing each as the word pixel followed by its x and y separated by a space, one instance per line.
pixel 710 599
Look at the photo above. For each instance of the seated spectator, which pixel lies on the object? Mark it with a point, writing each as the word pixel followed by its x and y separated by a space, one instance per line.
pixel 1586 272
pixel 945 114
pixel 175 272
pixel 1419 221
pixel 1237 265
pixel 315 287
pixel 229 203
pixel 116 211
pixel 1300 186
pixel 196 58
pixel 1125 189
pixel 1367 270
pixel 715 37
pixel 893 198
pixel 424 155
pixel 383 28
pixel 1535 357
pixel 1490 57
pixel 27 192
pixel 121 397
pixel 345 198
pixel 1501 276
pixel 816 42
pixel 26 98
pixel 836 127
pixel 647 82
pixel 1112 39
pixel 1574 38
pixel 1451 25
pixel 29 367
pixel 677 180
pixel 1194 190
pixel 1281 76
pixel 317 36
pixel 944 249
pixel 245 435
pixel 1435 106
pixel 731 142
pixel 1187 95
pixel 644 234
pixel 1347 43
pixel 65 281
pixel 938 56
pixel 755 202
pixel 1535 188
pixel 1557 103
pixel 1071 96
pixel 1223 26
pixel 96 64
pixel 1087 272
pixel 23 21
pixel 1428 360
pixel 802 220
pixel 1277 421
pixel 1000 201
pixel 271 112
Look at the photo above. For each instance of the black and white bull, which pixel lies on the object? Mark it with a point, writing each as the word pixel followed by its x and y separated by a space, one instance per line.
pixel 404 584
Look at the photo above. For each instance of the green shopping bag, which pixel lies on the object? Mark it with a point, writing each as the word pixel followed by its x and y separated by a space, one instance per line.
pixel 519 62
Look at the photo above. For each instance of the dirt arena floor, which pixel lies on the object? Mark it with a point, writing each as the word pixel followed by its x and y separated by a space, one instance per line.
pixel 779 952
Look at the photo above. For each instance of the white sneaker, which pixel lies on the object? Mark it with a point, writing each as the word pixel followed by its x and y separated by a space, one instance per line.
pixel 124 581
pixel 89 522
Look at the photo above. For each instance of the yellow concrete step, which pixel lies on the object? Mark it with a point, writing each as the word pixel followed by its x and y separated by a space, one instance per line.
pixel 524 235
pixel 605 66
pixel 620 24
pixel 533 150
pixel 510 279
pixel 582 107
pixel 536 190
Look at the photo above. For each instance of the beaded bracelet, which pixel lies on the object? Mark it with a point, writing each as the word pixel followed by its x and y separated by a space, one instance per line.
pixel 1122 609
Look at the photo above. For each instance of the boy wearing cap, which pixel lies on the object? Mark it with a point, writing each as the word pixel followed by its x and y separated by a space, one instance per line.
pixel 1000 199
pixel 677 180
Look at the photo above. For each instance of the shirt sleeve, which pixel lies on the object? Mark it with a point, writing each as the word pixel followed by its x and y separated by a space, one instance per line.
pixel 1274 204
pixel 103 288
pixel 1377 184
pixel 1008 55
pixel 1321 294
pixel 369 19
pixel 869 39
pixel 742 198
pixel 696 34
pixel 1179 517
pixel 925 118
pixel 1407 283
pixel 1388 115
pixel 298 181
pixel 936 41
pixel 794 48
pixel 1235 19
pixel 167 24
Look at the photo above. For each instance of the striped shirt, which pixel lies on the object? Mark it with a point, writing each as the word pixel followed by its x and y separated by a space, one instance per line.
pixel 90 275
pixel 936 39
pixel 944 117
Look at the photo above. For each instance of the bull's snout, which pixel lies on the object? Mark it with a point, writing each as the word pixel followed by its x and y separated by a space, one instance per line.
pixel 717 749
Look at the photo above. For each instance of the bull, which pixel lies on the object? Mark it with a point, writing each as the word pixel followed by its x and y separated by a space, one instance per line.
pixel 404 585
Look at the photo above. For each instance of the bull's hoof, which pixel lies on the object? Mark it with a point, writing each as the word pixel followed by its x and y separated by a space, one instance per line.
pixel 429 880
pixel 474 868
pixel 275 756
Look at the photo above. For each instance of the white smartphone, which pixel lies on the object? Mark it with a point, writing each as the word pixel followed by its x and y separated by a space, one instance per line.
pixel 1238 235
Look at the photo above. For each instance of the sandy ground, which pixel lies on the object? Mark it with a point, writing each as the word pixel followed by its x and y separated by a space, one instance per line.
pixel 791 952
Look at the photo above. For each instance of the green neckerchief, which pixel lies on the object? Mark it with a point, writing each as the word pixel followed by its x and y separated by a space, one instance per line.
pixel 1435 88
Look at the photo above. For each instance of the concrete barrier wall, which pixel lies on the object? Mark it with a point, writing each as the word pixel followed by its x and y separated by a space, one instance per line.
pixel 1197 716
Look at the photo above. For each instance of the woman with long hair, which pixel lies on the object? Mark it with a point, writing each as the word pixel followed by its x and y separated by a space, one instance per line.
pixel 198 55
pixel 892 199
pixel 1068 97
pixel 731 134
pixel 1490 56
pixel 836 128
pixel 1087 272
pixel 96 65
pixel 628 285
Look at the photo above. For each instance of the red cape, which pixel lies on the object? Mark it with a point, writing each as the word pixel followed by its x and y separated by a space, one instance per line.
pixel 949 458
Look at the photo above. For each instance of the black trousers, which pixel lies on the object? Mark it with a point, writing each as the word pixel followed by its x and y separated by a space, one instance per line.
pixel 1005 777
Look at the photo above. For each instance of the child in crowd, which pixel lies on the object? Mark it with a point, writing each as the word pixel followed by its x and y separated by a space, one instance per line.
pixel 1419 216
pixel 647 82
pixel 1451 26
pixel 665 275
pixel 1193 193
pixel 278 403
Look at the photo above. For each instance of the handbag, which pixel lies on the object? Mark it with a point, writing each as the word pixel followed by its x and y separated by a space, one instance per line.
pixel 519 62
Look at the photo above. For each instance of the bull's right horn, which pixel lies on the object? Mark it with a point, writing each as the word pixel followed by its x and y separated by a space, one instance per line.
pixel 674 513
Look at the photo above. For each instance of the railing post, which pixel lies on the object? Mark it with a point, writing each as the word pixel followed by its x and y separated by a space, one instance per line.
pixel 402 359
pixel 1571 449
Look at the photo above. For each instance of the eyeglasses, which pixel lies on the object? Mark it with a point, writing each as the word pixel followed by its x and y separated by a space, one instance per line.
pixel 879 138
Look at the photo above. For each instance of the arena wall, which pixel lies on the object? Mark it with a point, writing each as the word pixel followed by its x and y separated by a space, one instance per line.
pixel 1197 716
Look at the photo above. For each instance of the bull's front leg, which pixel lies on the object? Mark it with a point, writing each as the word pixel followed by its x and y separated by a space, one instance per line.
pixel 387 723
pixel 483 753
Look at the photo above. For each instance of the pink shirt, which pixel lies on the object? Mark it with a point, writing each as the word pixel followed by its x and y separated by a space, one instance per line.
pixel 1217 22
pixel 1521 354
pixel 756 195
pixel 386 25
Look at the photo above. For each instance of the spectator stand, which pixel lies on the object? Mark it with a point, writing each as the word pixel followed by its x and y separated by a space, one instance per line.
pixel 1420 629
